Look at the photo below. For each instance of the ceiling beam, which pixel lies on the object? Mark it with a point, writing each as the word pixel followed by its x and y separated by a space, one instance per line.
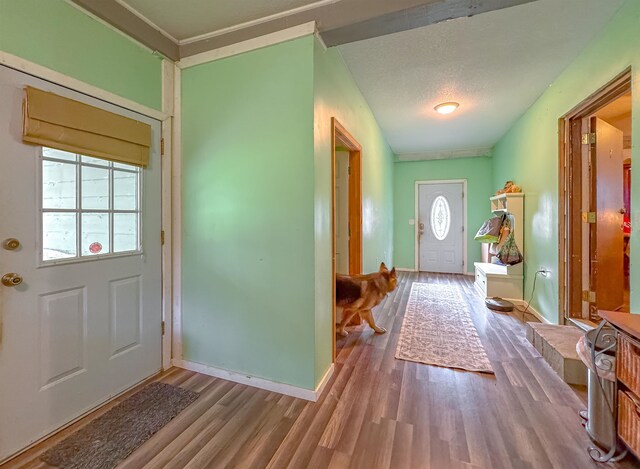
pixel 414 17
pixel 121 18
pixel 354 20
pixel 339 22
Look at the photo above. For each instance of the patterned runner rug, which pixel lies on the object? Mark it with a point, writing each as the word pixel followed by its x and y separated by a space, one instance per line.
pixel 437 330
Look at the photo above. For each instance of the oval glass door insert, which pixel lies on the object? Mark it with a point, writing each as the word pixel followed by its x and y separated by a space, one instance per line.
pixel 440 218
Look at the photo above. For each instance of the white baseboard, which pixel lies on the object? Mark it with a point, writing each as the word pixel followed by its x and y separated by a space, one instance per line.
pixel 323 382
pixel 532 310
pixel 402 269
pixel 282 388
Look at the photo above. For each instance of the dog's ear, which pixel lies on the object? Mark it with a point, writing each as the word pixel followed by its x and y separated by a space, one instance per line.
pixel 393 272
pixel 383 267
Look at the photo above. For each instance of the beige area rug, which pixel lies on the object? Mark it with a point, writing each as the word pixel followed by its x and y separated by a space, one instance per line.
pixel 438 330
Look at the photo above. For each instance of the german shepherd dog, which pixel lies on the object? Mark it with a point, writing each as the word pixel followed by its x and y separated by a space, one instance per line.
pixel 360 293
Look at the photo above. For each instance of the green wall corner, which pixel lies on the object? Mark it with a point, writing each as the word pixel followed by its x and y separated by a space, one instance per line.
pixel 56 35
pixel 337 95
pixel 528 153
pixel 248 204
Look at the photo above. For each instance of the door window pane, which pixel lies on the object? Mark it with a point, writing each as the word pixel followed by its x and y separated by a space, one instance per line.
pixel 58 185
pixel 89 206
pixel 95 188
pixel 59 154
pixel 129 167
pixel 440 218
pixel 125 190
pixel 96 161
pixel 58 235
pixel 125 232
pixel 95 234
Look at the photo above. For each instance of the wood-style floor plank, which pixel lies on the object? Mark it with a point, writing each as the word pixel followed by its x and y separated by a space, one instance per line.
pixel 380 412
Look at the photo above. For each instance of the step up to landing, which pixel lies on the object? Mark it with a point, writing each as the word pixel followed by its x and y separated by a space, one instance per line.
pixel 557 345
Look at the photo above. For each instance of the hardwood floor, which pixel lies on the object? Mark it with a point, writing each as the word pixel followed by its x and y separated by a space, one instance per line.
pixel 379 412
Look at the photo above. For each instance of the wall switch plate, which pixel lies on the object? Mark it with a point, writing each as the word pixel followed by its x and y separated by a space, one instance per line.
pixel 412 221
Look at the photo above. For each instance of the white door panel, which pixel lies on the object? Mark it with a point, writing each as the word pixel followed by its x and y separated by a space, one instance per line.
pixel 441 227
pixel 76 333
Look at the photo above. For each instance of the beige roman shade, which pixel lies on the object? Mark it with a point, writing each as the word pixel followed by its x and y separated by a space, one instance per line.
pixel 53 121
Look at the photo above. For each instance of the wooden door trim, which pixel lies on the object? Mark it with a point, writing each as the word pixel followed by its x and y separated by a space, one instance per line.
pixel 570 201
pixel 340 134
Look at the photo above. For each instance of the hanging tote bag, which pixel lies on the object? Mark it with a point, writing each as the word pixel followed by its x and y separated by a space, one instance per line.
pixel 489 232
pixel 509 254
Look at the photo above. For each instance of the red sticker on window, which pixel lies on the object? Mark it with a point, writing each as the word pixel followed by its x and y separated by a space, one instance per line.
pixel 95 248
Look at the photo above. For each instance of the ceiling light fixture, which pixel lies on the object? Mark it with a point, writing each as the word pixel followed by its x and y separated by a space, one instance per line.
pixel 446 108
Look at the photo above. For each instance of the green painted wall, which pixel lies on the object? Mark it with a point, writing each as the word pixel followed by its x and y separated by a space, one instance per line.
pixel 478 173
pixel 337 95
pixel 58 36
pixel 528 153
pixel 248 213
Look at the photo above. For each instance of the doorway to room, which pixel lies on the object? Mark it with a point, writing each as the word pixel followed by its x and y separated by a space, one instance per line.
pixel 346 202
pixel 595 194
pixel 341 184
pixel 440 226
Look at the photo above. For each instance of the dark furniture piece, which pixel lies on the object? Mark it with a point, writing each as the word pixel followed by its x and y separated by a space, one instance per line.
pixel 628 376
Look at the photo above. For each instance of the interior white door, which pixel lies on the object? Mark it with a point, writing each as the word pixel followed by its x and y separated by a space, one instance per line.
pixel 342 212
pixel 85 324
pixel 441 227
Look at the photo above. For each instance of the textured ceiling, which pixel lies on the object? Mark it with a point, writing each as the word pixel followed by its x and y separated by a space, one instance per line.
pixel 189 19
pixel 495 65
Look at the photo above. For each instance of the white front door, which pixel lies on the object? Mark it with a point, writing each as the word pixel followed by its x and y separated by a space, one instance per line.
pixel 85 323
pixel 441 227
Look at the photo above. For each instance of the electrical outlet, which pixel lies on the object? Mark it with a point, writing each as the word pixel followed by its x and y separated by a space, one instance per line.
pixel 544 272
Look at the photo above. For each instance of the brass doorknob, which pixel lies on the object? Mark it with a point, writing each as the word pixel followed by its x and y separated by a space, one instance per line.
pixel 11 244
pixel 11 279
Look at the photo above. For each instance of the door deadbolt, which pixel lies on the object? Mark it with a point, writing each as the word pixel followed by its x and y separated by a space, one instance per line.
pixel 11 279
pixel 11 244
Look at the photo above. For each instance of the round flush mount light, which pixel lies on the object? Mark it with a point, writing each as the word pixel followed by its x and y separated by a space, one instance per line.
pixel 446 108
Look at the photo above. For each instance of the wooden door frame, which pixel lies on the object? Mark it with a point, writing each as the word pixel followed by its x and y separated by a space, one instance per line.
pixel 569 200
pixel 340 134
pixel 416 227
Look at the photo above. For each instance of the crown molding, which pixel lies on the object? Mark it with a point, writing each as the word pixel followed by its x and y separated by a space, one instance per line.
pixel 249 45
pixel 155 26
pixel 446 154
pixel 255 22
pixel 113 13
